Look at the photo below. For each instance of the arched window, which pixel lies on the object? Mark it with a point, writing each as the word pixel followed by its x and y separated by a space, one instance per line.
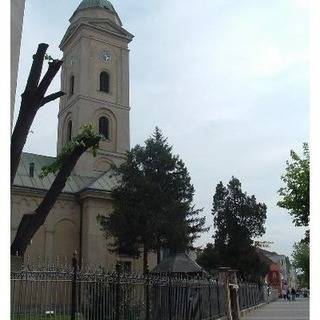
pixel 104 127
pixel 104 81
pixel 71 85
pixel 69 131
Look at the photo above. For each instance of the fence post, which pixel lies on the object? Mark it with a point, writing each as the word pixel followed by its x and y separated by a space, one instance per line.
pixel 74 287
pixel 200 292
pixel 224 277
pixel 234 295
pixel 147 293
pixel 218 296
pixel 170 297
pixel 210 305
pixel 118 292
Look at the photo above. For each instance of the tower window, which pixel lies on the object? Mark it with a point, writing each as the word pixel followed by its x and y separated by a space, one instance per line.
pixel 104 127
pixel 104 82
pixel 69 131
pixel 71 85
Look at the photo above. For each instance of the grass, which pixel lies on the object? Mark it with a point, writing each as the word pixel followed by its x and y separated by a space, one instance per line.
pixel 42 317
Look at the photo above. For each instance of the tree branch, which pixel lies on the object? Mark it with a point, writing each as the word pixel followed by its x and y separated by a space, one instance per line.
pixel 51 97
pixel 32 99
pixel 31 222
pixel 53 69
pixel 36 68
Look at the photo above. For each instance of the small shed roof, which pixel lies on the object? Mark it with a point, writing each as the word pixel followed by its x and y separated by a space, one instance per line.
pixel 178 263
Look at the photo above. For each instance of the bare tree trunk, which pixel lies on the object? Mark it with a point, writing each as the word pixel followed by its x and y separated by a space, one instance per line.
pixel 30 223
pixel 32 100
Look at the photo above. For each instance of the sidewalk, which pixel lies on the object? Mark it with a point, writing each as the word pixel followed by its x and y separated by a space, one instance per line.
pixel 282 310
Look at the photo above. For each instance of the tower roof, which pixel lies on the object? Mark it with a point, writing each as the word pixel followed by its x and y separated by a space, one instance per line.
pixel 105 4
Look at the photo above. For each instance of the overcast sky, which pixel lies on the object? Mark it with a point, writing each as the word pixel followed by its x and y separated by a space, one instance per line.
pixel 226 81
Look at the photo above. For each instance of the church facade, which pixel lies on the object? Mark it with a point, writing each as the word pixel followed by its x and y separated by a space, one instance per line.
pixel 95 78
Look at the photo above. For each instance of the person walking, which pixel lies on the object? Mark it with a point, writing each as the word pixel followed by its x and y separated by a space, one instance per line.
pixel 293 294
pixel 288 294
pixel 284 294
pixel 268 293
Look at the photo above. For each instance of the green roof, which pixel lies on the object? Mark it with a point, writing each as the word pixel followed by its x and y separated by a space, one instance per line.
pixel 96 3
pixel 74 184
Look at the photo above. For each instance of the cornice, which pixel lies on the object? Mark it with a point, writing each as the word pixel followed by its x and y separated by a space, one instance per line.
pixel 90 99
pixel 81 195
pixel 94 194
pixel 74 28
pixel 40 193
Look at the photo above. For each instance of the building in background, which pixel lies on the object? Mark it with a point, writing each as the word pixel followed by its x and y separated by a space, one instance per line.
pixel 17 14
pixel 95 77
pixel 281 274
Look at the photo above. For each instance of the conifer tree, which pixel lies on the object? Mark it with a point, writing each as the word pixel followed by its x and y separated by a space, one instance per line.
pixel 238 219
pixel 153 202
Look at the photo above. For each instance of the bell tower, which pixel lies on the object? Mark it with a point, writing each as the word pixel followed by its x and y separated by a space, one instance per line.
pixel 95 78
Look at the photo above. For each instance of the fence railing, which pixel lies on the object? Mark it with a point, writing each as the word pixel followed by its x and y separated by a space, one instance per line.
pixel 97 295
pixel 252 294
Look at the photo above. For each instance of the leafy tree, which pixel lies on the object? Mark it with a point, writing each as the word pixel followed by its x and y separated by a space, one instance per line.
pixel 238 218
pixel 63 166
pixel 295 194
pixel 301 260
pixel 33 98
pixel 153 202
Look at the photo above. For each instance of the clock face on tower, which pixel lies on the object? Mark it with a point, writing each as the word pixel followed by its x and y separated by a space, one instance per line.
pixel 105 56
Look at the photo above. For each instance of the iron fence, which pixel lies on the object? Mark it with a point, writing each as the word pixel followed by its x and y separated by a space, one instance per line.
pixel 69 293
pixel 250 294
pixel 97 295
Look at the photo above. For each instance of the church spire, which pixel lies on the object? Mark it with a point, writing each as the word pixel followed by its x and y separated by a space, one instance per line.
pixel 95 77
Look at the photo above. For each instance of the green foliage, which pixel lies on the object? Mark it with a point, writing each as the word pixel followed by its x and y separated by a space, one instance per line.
pixel 208 258
pixel 48 57
pixel 153 201
pixel 84 139
pixel 238 218
pixel 301 260
pixel 41 317
pixel 295 194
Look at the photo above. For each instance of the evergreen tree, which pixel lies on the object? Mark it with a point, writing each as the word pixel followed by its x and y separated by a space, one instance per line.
pixel 153 202
pixel 208 258
pixel 238 219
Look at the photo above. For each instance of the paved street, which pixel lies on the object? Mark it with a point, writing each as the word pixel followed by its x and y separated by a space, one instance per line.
pixel 282 310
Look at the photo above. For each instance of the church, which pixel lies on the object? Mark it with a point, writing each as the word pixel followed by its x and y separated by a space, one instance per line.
pixel 95 78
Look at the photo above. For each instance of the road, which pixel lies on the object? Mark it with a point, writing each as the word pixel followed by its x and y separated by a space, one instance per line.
pixel 282 310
